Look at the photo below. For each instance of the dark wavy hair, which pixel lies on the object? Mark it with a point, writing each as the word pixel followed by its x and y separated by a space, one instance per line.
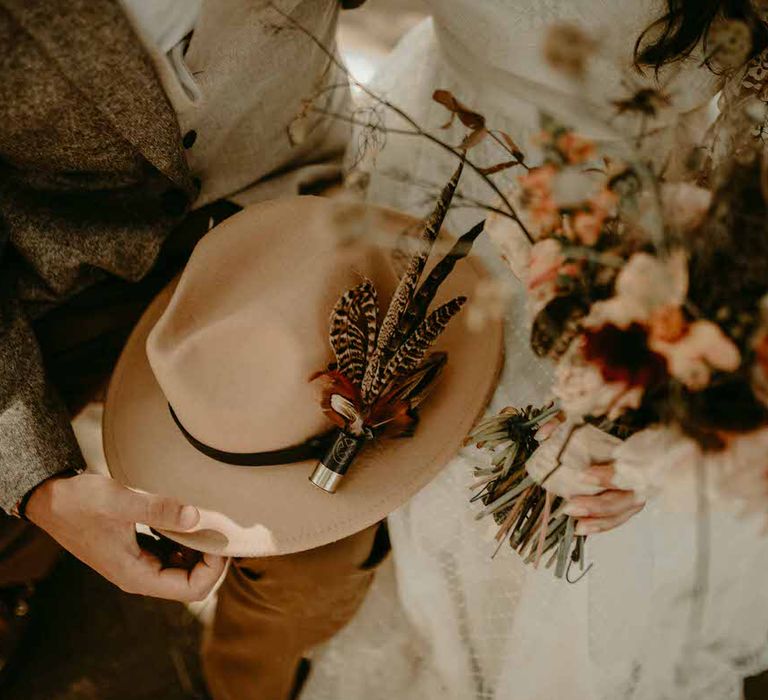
pixel 687 22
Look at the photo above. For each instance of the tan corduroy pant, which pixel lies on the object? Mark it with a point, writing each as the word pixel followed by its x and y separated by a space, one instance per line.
pixel 272 611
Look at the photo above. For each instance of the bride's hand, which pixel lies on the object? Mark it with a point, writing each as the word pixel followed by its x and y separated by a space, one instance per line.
pixel 584 477
pixel 606 510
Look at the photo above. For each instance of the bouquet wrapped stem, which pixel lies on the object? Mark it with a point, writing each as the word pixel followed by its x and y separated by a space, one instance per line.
pixel 528 516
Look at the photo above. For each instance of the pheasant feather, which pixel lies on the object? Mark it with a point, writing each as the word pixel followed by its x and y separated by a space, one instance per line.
pixel 412 351
pixel 389 337
pixel 383 373
pixel 415 387
pixel 365 313
pixel 418 308
pixel 350 343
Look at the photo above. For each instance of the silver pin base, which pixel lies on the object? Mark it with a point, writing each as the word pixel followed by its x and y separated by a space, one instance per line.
pixel 326 479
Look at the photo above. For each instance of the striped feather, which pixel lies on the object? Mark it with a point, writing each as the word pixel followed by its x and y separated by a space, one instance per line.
pixel 365 313
pixel 418 308
pixel 415 386
pixel 389 337
pixel 349 342
pixel 356 364
pixel 412 351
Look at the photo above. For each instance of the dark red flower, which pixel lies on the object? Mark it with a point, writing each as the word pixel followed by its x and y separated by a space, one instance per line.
pixel 623 355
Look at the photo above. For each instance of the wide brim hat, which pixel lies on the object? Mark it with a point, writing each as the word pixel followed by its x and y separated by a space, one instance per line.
pixel 230 347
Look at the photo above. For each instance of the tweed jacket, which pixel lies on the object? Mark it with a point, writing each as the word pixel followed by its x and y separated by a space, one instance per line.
pixel 93 177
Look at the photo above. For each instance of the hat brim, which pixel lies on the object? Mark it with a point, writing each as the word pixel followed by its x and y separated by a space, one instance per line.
pixel 266 511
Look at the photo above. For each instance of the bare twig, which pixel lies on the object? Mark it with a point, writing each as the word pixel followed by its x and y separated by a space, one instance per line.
pixel 460 199
pixel 417 128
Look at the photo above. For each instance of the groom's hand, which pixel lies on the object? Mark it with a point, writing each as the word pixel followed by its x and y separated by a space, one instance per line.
pixel 606 510
pixel 95 519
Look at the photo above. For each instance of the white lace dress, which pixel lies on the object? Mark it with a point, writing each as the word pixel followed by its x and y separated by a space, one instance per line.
pixel 445 621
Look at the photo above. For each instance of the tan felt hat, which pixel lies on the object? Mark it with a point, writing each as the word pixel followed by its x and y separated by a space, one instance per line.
pixel 231 347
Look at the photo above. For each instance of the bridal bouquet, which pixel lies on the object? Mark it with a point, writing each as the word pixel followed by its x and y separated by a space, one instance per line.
pixel 657 337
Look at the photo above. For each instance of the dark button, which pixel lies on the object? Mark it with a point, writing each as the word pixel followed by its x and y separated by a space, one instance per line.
pixel 175 202
pixel 189 138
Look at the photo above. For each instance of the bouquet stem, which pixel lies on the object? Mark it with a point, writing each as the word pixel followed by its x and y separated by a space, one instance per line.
pixel 528 516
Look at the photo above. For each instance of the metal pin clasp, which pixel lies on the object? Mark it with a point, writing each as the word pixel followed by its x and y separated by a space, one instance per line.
pixel 330 470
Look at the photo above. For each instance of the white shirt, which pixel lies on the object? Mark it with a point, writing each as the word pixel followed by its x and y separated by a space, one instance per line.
pixel 163 25
pixel 236 85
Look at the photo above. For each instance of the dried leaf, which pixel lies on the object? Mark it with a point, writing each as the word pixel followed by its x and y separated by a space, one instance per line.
pixel 469 118
pixel 499 167
pixel 473 138
pixel 512 146
pixel 555 326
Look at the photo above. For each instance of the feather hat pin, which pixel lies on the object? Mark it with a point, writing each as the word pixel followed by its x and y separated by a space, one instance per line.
pixel 382 374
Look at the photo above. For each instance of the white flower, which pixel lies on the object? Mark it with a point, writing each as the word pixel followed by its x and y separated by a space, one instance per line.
pixel 684 205
pixel 572 186
pixel 692 357
pixel 645 285
pixel 541 278
pixel 651 291
pixel 582 391
pixel 742 473
pixel 490 302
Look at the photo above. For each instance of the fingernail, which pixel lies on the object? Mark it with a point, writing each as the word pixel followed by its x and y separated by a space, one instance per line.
pixel 189 517
pixel 575 511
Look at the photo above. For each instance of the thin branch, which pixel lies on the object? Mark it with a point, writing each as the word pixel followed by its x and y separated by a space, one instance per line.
pixel 357 122
pixel 458 153
pixel 484 207
pixel 460 200
pixel 492 133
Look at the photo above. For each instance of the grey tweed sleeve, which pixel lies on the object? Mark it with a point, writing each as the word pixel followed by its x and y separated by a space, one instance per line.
pixel 36 438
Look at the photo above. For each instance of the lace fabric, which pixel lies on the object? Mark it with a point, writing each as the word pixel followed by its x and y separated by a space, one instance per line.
pixel 444 619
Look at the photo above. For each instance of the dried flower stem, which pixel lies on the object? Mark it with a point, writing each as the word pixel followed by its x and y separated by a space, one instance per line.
pixel 544 521
pixel 417 129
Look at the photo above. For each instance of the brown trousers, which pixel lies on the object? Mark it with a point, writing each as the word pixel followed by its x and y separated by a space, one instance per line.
pixel 271 611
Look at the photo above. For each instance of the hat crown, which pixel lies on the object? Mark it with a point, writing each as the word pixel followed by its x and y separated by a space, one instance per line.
pixel 248 324
pixel 275 510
